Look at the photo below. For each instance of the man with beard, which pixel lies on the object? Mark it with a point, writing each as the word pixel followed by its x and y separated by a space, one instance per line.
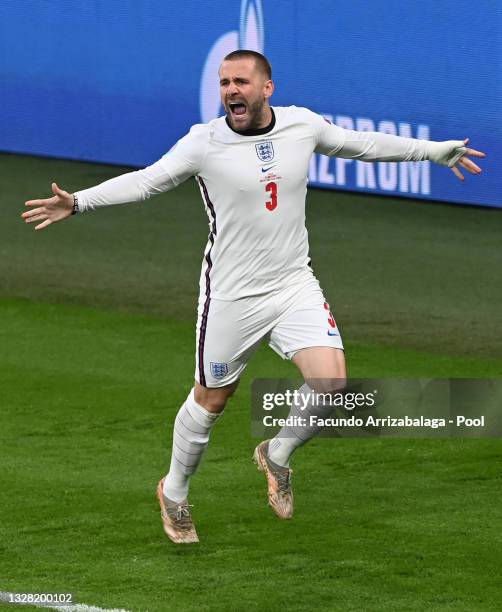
pixel 256 282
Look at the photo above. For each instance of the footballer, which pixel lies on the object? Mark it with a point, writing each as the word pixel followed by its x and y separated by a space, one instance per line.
pixel 256 282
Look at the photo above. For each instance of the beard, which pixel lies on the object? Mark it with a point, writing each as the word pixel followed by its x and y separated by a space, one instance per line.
pixel 254 117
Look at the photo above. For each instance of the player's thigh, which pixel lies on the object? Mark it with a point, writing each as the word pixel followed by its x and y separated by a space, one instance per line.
pixel 307 334
pixel 228 334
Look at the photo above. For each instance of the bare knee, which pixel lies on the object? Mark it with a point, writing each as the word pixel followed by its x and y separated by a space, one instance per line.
pixel 323 368
pixel 215 399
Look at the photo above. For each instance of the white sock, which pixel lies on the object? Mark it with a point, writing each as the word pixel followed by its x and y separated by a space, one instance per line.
pixel 190 439
pixel 289 438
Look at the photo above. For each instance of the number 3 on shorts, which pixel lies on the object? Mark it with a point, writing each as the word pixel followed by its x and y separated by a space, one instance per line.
pixel 272 188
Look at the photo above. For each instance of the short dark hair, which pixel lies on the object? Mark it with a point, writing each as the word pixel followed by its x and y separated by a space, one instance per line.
pixel 261 61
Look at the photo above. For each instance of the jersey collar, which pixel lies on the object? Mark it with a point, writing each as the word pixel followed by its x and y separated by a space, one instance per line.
pixel 256 131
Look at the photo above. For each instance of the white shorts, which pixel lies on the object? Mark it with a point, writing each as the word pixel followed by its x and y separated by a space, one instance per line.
pixel 229 332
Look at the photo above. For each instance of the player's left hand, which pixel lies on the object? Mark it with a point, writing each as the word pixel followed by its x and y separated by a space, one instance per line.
pixel 466 163
pixel 455 154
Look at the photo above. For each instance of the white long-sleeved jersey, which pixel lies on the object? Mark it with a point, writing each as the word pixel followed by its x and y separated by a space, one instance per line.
pixel 253 186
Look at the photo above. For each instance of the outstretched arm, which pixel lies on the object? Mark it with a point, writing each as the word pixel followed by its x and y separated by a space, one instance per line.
pixel 180 163
pixel 130 187
pixel 375 146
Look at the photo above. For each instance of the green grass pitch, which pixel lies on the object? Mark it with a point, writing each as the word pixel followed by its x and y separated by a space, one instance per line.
pixel 97 335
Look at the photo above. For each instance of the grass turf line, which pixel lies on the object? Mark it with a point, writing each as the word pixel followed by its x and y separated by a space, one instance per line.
pixel 88 400
pixel 423 276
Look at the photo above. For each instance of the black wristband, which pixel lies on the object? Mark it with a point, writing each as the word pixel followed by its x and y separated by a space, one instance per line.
pixel 75 205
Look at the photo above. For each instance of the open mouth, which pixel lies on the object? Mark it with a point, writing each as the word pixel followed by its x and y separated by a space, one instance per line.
pixel 237 108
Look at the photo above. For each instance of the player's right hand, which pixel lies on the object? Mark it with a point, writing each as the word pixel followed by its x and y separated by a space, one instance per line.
pixel 51 210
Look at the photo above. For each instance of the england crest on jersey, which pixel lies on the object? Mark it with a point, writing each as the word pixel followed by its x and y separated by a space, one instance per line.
pixel 265 151
pixel 218 370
